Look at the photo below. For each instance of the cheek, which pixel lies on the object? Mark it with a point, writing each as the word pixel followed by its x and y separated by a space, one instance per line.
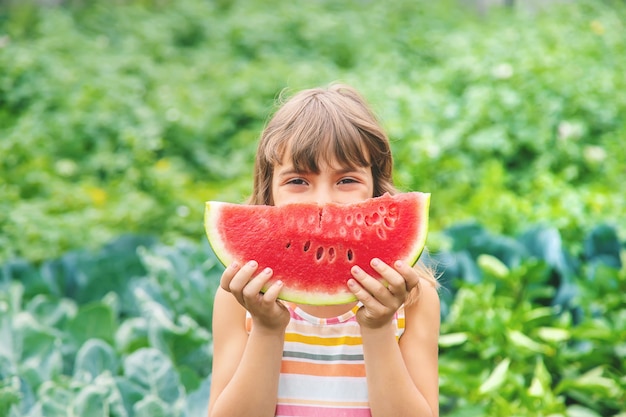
pixel 272 191
pixel 272 195
pixel 368 194
pixel 371 186
pixel 280 200
pixel 278 197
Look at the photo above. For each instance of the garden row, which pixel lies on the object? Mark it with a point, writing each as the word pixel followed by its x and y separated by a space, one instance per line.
pixel 127 117
pixel 528 327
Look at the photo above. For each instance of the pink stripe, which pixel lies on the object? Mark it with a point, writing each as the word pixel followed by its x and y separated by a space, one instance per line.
pixel 284 410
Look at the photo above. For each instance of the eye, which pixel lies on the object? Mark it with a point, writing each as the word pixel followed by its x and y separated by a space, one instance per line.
pixel 347 180
pixel 296 181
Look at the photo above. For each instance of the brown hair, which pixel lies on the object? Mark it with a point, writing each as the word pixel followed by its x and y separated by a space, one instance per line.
pixel 323 124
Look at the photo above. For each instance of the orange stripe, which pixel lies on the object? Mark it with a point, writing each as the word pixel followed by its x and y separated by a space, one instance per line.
pixel 322 369
pixel 323 341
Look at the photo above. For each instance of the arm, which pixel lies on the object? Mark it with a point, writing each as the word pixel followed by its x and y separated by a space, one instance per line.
pixel 245 367
pixel 410 364
pixel 402 377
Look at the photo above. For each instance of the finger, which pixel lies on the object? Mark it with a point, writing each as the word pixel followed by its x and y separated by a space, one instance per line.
pixel 273 291
pixel 372 313
pixel 228 275
pixel 242 277
pixel 364 296
pixel 373 286
pixel 409 274
pixel 255 285
pixel 396 283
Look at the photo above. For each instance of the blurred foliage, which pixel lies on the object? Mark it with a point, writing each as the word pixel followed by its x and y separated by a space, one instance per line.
pixel 122 331
pixel 530 328
pixel 126 116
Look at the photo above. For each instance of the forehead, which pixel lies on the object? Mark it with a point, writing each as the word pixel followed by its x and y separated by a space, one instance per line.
pixel 323 153
pixel 287 165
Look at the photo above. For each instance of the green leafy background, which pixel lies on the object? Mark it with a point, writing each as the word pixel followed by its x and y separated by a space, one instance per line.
pixel 119 119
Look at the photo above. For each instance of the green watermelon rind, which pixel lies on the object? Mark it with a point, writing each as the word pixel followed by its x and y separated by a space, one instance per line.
pixel 212 216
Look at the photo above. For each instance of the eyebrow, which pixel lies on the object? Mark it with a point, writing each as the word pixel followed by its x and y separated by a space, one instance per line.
pixel 346 170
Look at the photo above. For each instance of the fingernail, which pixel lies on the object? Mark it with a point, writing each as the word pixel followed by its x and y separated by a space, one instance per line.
pixel 234 265
pixel 252 264
pixel 268 271
pixel 356 270
pixel 375 262
pixel 399 264
pixel 279 283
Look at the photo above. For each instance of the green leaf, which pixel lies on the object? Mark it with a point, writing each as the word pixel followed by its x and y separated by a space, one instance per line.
pixel 603 243
pixel 95 320
pixel 492 265
pixel 9 352
pixel 593 382
pixel 453 339
pixel 109 269
pixel 470 410
pixel 546 243
pixel 10 395
pixel 23 273
pixel 553 334
pixel 55 400
pixel 580 411
pixel 38 350
pixel 541 382
pixel 94 358
pixel 519 339
pixel 11 298
pixel 130 393
pixel 152 406
pixel 91 400
pixel 132 334
pixel 153 372
pixel 182 340
pixel 464 234
pixel 496 378
pixel 52 311
pixel 189 378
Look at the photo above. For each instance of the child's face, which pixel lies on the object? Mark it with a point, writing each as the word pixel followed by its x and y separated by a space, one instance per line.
pixel 334 183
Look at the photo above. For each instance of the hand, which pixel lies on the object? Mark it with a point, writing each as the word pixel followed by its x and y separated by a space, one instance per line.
pixel 381 302
pixel 265 309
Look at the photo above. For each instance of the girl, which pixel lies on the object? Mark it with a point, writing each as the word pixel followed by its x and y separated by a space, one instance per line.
pixel 375 357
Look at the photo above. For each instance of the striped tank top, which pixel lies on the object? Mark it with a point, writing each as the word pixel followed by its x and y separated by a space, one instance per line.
pixel 322 371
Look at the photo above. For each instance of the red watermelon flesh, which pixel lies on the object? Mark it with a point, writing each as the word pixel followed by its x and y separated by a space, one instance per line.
pixel 312 248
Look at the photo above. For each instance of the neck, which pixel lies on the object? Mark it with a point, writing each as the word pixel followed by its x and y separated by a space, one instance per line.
pixel 325 312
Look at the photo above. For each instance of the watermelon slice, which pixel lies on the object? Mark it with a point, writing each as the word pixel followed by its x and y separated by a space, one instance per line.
pixel 312 248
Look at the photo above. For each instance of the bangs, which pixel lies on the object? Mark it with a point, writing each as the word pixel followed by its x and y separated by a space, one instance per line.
pixel 307 155
pixel 318 134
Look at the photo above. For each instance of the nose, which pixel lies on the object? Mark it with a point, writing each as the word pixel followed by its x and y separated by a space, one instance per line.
pixel 323 194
